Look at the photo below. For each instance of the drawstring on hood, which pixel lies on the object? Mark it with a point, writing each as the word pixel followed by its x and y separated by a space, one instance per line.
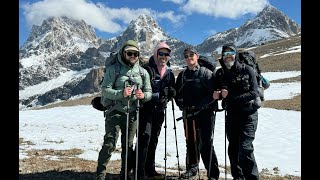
pixel 160 45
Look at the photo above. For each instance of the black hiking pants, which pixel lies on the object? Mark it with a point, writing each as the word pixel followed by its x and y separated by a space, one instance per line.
pixel 150 125
pixel 240 129
pixel 199 131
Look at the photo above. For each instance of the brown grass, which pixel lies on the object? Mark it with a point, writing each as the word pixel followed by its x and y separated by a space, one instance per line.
pixel 66 168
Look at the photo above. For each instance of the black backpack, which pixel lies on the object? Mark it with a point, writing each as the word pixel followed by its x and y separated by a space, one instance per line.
pixel 249 57
pixel 208 62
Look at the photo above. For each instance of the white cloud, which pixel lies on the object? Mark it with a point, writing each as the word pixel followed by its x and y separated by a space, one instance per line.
pixel 174 18
pixel 97 15
pixel 175 1
pixel 78 9
pixel 226 8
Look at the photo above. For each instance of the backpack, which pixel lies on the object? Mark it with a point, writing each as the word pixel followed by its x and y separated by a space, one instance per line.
pixel 101 103
pixel 208 62
pixel 249 57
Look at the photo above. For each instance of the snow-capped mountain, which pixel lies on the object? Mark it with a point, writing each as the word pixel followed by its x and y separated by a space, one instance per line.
pixel 146 31
pixel 63 47
pixel 63 58
pixel 52 48
pixel 270 24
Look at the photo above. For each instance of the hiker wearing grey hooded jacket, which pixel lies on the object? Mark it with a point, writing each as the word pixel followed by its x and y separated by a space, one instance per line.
pixel 122 87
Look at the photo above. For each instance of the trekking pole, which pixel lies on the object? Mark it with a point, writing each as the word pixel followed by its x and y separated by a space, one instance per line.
pixel 211 149
pixel 137 143
pixel 224 105
pixel 187 138
pixel 165 141
pixel 127 134
pixel 175 134
pixel 215 108
pixel 225 144
pixel 195 135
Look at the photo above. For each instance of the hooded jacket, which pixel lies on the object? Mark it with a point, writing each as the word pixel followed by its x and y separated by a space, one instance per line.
pixel 236 80
pixel 160 45
pixel 158 84
pixel 112 86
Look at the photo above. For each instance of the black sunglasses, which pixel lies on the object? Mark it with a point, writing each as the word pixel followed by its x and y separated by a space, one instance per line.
pixel 163 54
pixel 136 54
pixel 187 56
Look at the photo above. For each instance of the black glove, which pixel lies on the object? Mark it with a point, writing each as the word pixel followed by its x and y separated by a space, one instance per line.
pixel 155 97
pixel 224 103
pixel 214 105
pixel 169 92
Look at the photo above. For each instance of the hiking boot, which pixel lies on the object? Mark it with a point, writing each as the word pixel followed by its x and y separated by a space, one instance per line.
pixel 101 177
pixel 239 178
pixel 154 174
pixel 193 171
pixel 122 177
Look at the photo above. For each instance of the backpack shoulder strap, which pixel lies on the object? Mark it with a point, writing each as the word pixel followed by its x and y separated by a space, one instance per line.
pixel 182 79
pixel 142 72
pixel 152 72
pixel 117 68
pixel 202 72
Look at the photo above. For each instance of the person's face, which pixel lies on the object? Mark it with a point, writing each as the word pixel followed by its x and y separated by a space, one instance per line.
pixel 132 56
pixel 191 58
pixel 163 56
pixel 228 55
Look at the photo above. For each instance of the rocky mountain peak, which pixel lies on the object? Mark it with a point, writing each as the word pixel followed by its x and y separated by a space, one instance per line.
pixel 270 24
pixel 53 48
pixel 145 30
pixel 58 35
pixel 271 17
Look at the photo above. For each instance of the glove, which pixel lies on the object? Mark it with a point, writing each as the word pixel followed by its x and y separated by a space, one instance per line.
pixel 165 92
pixel 224 103
pixel 155 97
pixel 172 93
pixel 169 92
pixel 214 105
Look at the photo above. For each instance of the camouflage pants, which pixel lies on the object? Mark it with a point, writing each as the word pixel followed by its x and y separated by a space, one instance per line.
pixel 116 121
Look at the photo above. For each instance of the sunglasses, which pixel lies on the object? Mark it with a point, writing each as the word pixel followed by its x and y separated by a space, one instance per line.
pixel 187 56
pixel 229 52
pixel 136 54
pixel 163 54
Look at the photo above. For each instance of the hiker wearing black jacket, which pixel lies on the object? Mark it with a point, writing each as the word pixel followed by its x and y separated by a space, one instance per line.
pixel 152 112
pixel 236 84
pixel 194 94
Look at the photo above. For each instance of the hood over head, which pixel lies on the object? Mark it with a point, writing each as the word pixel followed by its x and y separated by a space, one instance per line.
pixel 129 45
pixel 160 45
pixel 226 46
